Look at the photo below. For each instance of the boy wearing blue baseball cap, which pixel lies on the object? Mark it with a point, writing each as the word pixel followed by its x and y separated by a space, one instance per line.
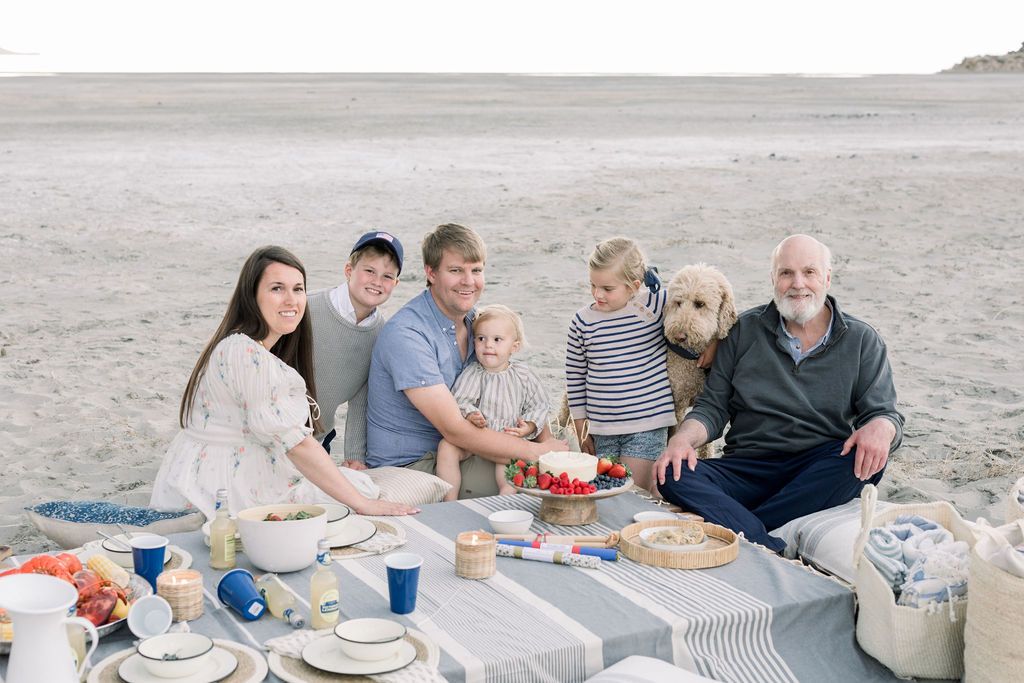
pixel 346 321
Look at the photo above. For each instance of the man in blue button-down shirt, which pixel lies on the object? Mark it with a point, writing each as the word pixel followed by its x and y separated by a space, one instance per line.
pixel 418 355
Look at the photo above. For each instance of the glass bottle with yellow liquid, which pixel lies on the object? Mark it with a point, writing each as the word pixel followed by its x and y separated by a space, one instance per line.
pixel 280 601
pixel 323 589
pixel 222 535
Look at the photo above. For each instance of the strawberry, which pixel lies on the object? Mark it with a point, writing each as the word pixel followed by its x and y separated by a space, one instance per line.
pixel 530 482
pixel 521 464
pixel 617 471
pixel 544 481
pixel 518 479
pixel 531 471
pixel 603 465
pixel 510 471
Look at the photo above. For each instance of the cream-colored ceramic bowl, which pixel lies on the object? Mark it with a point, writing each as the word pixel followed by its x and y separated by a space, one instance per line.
pixel 510 521
pixel 370 640
pixel 175 655
pixel 284 546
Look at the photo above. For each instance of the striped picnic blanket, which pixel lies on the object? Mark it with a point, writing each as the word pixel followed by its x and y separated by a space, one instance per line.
pixel 757 619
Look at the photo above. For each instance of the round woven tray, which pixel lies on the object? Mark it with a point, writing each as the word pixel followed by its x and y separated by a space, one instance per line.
pixel 723 546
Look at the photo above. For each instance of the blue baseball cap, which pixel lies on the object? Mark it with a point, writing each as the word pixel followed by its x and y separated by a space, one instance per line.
pixel 382 239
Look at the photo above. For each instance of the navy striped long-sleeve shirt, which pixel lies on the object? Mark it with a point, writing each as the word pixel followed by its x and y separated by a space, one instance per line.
pixel 616 372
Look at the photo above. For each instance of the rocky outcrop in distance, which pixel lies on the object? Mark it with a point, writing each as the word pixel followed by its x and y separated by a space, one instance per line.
pixel 1010 62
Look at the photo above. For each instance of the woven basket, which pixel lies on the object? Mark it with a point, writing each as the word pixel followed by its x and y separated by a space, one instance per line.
pixel 995 628
pixel 1014 508
pixel 724 548
pixel 910 641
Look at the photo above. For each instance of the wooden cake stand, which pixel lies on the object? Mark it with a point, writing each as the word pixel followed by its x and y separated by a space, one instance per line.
pixel 573 510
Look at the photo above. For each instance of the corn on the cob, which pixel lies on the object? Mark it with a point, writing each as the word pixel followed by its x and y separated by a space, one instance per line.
pixel 106 569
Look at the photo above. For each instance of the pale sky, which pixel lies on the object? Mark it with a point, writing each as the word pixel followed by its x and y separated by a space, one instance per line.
pixel 527 36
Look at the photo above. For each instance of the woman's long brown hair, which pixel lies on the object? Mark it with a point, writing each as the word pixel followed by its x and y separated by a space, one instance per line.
pixel 243 316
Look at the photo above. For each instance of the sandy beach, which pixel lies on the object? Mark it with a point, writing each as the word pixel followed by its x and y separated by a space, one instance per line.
pixel 128 203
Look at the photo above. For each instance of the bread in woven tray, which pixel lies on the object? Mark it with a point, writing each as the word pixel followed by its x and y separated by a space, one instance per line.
pixel 688 535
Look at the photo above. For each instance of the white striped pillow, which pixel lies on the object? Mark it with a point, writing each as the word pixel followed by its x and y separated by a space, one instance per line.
pixel 404 485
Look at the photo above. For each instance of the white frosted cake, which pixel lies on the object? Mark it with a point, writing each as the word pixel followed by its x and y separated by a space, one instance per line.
pixel 582 466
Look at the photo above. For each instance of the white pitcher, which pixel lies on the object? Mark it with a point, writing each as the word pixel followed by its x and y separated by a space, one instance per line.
pixel 39 606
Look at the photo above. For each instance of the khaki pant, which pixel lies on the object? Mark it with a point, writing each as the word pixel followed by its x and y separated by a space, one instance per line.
pixel 477 475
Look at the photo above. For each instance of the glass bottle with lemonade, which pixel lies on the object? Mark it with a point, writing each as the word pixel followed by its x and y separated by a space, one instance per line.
pixel 323 588
pixel 222 535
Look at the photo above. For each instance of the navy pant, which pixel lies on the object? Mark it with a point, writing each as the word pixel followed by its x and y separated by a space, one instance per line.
pixel 754 494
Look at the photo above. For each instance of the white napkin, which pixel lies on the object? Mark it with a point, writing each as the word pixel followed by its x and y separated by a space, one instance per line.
pixel 380 542
pixel 291 646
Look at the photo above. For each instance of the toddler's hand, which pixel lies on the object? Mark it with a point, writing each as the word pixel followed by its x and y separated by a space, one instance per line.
pixel 354 464
pixel 588 445
pixel 522 429
pixel 477 419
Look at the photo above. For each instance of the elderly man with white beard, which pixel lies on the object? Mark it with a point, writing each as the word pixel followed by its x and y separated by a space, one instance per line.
pixel 808 395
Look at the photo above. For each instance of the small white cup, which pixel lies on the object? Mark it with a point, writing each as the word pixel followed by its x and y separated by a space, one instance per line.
pixel 149 616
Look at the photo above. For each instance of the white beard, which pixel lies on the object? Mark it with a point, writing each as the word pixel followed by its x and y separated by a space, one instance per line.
pixel 799 313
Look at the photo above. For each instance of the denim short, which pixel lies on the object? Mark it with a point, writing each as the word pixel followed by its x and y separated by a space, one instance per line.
pixel 647 445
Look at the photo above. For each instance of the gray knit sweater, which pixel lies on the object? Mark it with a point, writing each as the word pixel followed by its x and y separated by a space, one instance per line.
pixel 774 405
pixel 341 361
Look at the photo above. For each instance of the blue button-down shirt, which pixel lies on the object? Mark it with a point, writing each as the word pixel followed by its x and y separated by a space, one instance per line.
pixel 416 348
pixel 794 344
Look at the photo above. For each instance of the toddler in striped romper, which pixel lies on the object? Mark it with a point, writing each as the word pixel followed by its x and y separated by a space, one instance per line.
pixel 616 369
pixel 495 391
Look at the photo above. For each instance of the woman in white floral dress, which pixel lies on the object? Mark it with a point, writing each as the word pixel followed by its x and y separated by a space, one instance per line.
pixel 247 414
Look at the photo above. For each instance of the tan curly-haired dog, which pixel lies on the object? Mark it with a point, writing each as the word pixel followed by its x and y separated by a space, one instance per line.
pixel 699 308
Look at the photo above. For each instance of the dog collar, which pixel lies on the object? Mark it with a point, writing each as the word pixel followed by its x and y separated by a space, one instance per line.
pixel 680 351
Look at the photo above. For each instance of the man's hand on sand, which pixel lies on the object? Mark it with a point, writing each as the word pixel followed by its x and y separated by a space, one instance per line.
pixel 354 464
pixel 477 419
pixel 872 442
pixel 673 456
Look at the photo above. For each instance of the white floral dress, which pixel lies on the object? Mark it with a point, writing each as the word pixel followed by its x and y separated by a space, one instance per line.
pixel 250 409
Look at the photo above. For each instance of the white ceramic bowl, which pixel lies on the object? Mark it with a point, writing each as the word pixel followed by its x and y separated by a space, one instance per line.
pixel 188 653
pixel 370 640
pixel 123 557
pixel 510 521
pixel 337 517
pixel 649 515
pixel 285 546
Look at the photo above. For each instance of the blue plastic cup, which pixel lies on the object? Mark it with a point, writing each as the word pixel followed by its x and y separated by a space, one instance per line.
pixel 237 590
pixel 403 580
pixel 148 554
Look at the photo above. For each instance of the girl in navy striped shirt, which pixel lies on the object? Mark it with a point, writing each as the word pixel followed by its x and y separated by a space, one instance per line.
pixel 615 361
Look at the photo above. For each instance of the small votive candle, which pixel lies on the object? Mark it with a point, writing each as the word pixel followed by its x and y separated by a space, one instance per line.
pixel 474 554
pixel 183 591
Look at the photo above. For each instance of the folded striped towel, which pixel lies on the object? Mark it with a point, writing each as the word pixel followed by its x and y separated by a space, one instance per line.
pixel 938 576
pixel 922 523
pixel 885 551
pixel 920 544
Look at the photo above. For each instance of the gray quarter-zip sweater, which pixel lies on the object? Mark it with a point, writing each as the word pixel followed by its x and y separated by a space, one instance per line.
pixel 773 405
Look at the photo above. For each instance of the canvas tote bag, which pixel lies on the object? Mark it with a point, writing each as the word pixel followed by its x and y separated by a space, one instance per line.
pixel 910 641
pixel 1014 508
pixel 994 636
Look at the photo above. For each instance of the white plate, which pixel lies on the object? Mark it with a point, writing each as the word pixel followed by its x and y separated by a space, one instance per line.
pixel 93 547
pixel 645 533
pixel 220 665
pixel 650 515
pixel 356 530
pixel 325 654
